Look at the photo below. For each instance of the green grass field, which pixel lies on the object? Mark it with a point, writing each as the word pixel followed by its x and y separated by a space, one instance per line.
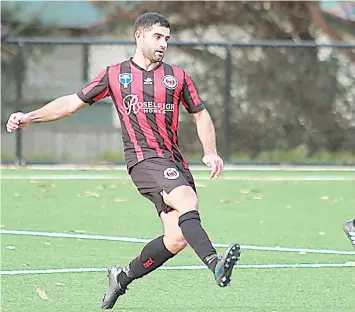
pixel 258 208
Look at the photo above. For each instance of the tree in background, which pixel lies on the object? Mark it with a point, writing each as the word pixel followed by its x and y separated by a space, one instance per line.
pixel 14 58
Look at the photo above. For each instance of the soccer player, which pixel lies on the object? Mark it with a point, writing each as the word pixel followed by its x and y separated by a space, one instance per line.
pixel 349 229
pixel 146 93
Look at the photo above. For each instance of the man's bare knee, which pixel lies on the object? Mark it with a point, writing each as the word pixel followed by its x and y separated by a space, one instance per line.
pixel 175 244
pixel 182 199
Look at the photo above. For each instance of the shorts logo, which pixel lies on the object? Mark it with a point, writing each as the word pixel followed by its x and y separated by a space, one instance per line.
pixel 170 82
pixel 171 173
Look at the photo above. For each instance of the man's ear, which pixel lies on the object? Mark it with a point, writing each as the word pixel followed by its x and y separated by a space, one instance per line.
pixel 138 35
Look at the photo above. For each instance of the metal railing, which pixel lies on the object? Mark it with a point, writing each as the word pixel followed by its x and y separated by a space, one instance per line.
pixel 259 93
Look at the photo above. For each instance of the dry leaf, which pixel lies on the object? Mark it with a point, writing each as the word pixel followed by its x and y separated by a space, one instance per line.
pixel 34 181
pixel 10 247
pixel 258 197
pixel 59 284
pixel 47 243
pixel 91 194
pixel 303 253
pixel 324 197
pixel 16 194
pixel 261 222
pixel 53 185
pixel 244 191
pixel 79 231
pixel 321 233
pixel 227 201
pixel 112 186
pixel 42 294
pixel 118 200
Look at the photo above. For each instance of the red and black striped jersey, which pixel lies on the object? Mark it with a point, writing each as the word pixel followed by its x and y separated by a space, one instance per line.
pixel 147 103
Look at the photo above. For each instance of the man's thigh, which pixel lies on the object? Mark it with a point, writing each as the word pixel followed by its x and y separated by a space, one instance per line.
pixel 155 175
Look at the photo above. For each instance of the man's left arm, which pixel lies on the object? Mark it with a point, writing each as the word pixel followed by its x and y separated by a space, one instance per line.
pixel 205 129
pixel 207 135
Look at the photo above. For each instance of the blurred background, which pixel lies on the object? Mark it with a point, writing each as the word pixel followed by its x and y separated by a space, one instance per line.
pixel 277 77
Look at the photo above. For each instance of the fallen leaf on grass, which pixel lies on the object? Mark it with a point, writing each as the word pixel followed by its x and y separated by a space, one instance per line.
pixel 91 194
pixel 42 294
pixel 10 247
pixel 227 201
pixel 258 197
pixel 119 200
pixel 16 194
pixel 59 284
pixel 244 191
pixel 324 197
pixel 112 186
pixel 47 243
pixel 34 181
pixel 79 231
pixel 302 253
pixel 321 233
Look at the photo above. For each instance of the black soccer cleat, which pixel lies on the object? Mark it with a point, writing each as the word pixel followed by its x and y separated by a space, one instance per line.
pixel 225 264
pixel 349 229
pixel 114 288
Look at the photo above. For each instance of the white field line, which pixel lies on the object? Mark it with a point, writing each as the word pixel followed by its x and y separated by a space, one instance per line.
pixel 144 240
pixel 113 177
pixel 188 267
pixel 294 168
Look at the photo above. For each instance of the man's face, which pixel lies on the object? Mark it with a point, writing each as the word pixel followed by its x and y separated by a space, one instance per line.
pixel 153 42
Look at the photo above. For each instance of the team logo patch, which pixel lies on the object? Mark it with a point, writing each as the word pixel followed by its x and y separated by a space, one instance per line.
pixel 125 79
pixel 171 173
pixel 170 82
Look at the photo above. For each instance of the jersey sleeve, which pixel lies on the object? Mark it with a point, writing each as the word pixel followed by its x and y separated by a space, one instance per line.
pixel 190 97
pixel 96 90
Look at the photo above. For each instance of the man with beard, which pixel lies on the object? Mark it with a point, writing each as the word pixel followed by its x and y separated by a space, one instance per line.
pixel 146 93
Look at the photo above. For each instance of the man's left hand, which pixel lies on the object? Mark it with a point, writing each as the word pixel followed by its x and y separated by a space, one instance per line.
pixel 216 164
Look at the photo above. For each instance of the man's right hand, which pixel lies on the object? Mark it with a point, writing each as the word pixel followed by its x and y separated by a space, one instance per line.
pixel 17 120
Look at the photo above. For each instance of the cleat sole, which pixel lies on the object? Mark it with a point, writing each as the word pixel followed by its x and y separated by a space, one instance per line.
pixel 226 264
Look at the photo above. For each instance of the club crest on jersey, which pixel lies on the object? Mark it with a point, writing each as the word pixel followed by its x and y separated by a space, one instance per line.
pixel 171 173
pixel 170 82
pixel 125 79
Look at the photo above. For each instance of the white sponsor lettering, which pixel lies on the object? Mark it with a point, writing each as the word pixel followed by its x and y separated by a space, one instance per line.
pixel 133 105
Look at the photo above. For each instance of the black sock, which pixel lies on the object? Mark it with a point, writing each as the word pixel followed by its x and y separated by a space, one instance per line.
pixel 195 235
pixel 153 255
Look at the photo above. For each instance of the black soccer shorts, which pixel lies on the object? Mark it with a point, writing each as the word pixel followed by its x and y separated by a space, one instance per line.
pixel 153 175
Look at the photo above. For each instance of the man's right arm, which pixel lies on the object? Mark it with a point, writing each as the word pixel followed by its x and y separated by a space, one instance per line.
pixel 63 106
pixel 59 108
